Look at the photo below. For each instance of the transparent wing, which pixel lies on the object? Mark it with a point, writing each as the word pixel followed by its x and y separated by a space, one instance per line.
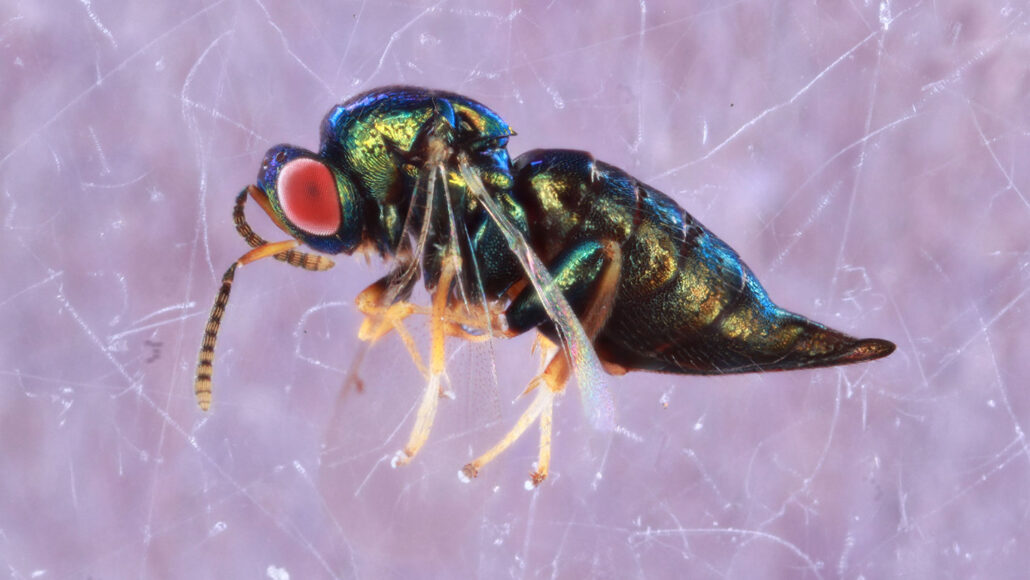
pixel 475 295
pixel 480 364
pixel 422 228
pixel 406 273
pixel 590 376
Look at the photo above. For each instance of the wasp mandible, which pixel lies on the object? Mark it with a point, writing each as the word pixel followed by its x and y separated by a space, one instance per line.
pixel 613 273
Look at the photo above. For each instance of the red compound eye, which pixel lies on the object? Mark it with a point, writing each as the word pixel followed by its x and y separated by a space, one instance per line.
pixel 307 193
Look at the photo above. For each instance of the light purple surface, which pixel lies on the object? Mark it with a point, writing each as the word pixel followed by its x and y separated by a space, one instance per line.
pixel 868 161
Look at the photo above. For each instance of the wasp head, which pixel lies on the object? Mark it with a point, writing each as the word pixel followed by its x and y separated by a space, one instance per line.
pixel 310 199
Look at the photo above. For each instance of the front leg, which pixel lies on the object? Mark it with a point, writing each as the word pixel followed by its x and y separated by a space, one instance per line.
pixel 457 319
pixel 447 318
pixel 437 359
pixel 381 318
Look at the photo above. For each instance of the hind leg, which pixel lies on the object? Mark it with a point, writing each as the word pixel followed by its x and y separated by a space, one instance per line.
pixel 552 380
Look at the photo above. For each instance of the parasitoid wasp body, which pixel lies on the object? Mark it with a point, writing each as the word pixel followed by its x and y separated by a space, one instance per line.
pixel 612 272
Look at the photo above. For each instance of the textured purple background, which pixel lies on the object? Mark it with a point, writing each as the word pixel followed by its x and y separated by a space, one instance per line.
pixel 868 160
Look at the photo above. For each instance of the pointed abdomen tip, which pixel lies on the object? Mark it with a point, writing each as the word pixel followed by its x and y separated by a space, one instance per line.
pixel 869 349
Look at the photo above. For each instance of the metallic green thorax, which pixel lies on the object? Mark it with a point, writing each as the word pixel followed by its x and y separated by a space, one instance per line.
pixel 380 140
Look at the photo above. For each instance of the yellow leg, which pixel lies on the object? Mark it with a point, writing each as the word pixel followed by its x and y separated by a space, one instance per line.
pixel 556 375
pixel 554 378
pixel 543 402
pixel 381 320
pixel 544 461
pixel 437 359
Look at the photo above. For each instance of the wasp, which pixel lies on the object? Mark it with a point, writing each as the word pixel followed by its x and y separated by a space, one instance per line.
pixel 613 274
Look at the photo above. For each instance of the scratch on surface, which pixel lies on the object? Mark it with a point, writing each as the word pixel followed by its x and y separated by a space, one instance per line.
pixel 400 31
pixel 289 50
pixel 71 481
pixel 350 38
pixel 987 145
pixel 181 307
pixel 96 22
pixel 368 476
pixel 903 523
pixel 911 342
pixel 813 219
pixel 1004 461
pixel 300 469
pixel 674 24
pixel 202 159
pixel 298 334
pixel 53 275
pixel 824 453
pixel 751 534
pixel 386 442
pixel 119 185
pixel 66 304
pixel 152 325
pixel 856 143
pixel 216 114
pixel 938 86
pixel 983 330
pixel 859 169
pixel 290 531
pixel 758 118
pixel 96 84
pixel 174 377
pixel 105 168
pixel 530 522
pixel 1020 433
pixel 639 137
pixel 704 473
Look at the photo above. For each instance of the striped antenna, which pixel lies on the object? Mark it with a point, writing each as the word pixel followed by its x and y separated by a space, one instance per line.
pixel 304 260
pixel 202 382
pixel 282 251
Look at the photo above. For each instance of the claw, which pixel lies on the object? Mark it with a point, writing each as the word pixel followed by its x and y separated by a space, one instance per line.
pixel 468 473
